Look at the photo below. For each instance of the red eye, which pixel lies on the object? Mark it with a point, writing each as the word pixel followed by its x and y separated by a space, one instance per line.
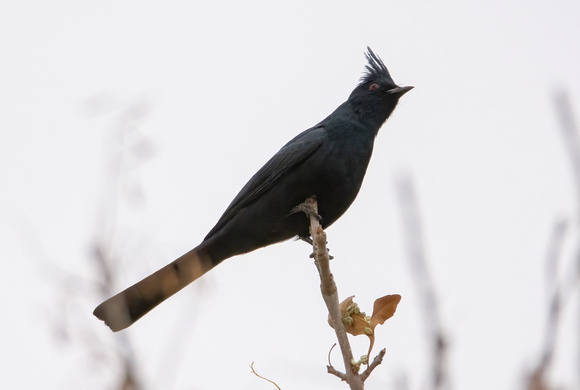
pixel 374 87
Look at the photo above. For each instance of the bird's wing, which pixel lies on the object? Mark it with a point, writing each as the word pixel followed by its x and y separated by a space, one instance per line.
pixel 292 154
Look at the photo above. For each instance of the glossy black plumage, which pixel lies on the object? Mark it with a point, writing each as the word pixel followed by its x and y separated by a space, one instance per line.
pixel 328 161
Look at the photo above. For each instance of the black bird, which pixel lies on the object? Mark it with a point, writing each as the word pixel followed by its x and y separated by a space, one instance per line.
pixel 327 161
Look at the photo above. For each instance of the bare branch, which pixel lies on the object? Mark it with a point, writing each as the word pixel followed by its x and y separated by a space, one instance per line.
pixel 330 293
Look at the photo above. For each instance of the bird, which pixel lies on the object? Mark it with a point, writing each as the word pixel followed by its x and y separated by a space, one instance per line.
pixel 327 162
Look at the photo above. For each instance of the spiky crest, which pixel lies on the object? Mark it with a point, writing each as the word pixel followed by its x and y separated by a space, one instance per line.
pixel 376 69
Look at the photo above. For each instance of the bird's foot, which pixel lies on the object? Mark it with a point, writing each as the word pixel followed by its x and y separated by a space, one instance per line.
pixel 309 207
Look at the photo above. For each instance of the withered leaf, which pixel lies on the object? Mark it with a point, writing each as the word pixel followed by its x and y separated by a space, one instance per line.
pixel 353 319
pixel 356 322
pixel 384 309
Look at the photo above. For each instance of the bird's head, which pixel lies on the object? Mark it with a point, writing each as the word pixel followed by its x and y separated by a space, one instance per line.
pixel 376 95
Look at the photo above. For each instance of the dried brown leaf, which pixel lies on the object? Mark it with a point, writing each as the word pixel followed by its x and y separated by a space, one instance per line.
pixel 384 308
pixel 356 323
pixel 353 319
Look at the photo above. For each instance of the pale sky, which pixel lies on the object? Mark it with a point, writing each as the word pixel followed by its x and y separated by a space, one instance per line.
pixel 194 97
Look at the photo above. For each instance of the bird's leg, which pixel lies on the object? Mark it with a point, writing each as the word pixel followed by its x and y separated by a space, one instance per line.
pixel 310 208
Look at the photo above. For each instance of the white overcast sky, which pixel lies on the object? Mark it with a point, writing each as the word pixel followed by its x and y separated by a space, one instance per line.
pixel 215 88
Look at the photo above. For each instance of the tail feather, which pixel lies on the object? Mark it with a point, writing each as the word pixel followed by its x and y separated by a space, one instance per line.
pixel 123 309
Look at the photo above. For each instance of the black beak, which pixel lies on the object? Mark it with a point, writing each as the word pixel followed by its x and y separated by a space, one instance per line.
pixel 399 91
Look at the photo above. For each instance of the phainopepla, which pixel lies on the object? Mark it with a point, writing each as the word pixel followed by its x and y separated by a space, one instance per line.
pixel 327 161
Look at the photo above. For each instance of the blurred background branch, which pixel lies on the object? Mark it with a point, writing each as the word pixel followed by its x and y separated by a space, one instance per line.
pixel 571 139
pixel 561 278
pixel 125 149
pixel 538 378
pixel 111 356
pixel 413 232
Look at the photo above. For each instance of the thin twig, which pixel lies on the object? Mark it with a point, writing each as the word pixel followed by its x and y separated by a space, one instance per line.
pixel 329 352
pixel 341 375
pixel 261 377
pixel 376 361
pixel 330 368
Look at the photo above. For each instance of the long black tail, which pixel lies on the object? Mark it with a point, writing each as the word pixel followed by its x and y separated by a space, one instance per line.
pixel 122 310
